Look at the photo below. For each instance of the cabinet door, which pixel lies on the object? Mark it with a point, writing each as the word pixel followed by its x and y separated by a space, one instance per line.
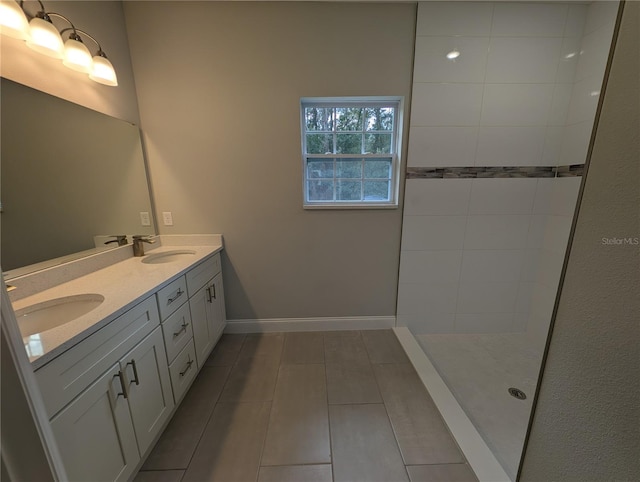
pixel 216 315
pixel 95 434
pixel 202 336
pixel 150 398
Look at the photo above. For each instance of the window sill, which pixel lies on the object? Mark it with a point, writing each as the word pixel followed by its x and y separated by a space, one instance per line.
pixel 350 206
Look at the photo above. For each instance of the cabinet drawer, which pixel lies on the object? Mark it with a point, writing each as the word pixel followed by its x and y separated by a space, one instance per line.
pixel 183 370
pixel 63 378
pixel 198 276
pixel 177 331
pixel 171 297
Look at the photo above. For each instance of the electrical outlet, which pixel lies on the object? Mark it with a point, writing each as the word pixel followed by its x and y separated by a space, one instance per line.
pixel 145 219
pixel 167 218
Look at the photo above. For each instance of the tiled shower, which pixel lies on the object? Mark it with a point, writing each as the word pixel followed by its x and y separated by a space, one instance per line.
pixel 504 100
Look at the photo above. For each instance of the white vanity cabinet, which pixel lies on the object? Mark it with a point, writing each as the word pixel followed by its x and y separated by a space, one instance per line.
pixel 103 420
pixel 206 300
pixel 95 433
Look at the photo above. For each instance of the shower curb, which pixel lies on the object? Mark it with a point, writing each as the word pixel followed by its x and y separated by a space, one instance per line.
pixel 480 458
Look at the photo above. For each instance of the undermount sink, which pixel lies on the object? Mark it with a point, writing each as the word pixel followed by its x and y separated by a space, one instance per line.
pixel 168 256
pixel 52 313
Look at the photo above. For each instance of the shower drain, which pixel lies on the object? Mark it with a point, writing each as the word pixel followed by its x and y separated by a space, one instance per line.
pixel 519 394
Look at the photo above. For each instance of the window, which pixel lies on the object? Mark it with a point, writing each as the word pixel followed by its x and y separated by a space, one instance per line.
pixel 350 151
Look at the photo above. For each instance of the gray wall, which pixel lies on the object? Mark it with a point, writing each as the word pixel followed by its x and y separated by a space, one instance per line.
pixel 105 21
pixel 219 86
pixel 586 425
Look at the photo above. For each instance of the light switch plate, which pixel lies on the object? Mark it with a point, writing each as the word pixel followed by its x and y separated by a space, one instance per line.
pixel 145 219
pixel 167 218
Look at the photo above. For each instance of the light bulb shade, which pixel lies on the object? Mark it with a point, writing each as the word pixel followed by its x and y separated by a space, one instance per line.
pixel 103 72
pixel 13 21
pixel 77 56
pixel 45 38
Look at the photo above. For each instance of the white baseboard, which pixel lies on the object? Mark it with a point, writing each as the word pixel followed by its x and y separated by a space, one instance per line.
pixel 271 325
pixel 480 458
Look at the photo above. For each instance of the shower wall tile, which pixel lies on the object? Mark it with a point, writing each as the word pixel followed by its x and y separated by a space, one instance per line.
pixel 553 139
pixel 437 197
pixel 492 265
pixel 484 323
pixel 560 104
pixel 525 294
pixel 510 145
pixel 529 19
pixel 454 18
pixel 516 104
pixel 433 232
pixel 523 59
pixel 497 232
pixel 556 234
pixel 428 322
pixel 442 146
pixel 414 299
pixel 530 265
pixel 576 143
pixel 446 104
pixel 430 266
pixel 594 52
pixel 535 236
pixel 542 201
pixel 600 14
pixel 576 18
pixel 520 321
pixel 502 196
pixel 486 297
pixel 550 268
pixel 584 100
pixel 432 64
pixel 564 195
pixel 569 56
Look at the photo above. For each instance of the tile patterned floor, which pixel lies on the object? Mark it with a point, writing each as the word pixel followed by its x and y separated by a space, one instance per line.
pixel 307 407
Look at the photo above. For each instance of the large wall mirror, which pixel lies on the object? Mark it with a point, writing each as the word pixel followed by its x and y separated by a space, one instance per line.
pixel 70 178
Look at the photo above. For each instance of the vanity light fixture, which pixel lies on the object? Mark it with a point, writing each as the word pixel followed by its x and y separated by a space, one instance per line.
pixel 13 21
pixel 42 36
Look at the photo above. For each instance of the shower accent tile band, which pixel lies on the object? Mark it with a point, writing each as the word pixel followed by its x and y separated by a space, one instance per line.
pixel 473 172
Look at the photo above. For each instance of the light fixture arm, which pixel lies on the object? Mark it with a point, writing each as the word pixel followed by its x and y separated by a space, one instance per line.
pixel 77 31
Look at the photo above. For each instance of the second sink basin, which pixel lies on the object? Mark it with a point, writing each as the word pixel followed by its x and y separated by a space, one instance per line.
pixel 168 256
pixel 52 313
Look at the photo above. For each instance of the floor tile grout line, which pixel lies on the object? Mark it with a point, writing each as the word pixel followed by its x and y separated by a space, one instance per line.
pixel 273 396
pixel 326 381
pixel 208 419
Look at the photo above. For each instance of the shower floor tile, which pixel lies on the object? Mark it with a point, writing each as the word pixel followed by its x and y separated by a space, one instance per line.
pixel 479 369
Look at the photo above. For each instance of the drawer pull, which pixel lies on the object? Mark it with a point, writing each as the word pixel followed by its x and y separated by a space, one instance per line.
pixel 189 363
pixel 184 328
pixel 123 385
pixel 135 371
pixel 208 294
pixel 178 295
pixel 214 292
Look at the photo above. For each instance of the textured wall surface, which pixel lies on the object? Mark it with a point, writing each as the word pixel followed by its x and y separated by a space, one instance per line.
pixel 219 86
pixel 586 425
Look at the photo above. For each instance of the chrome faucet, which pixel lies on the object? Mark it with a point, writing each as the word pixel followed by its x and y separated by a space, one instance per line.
pixel 138 247
pixel 121 239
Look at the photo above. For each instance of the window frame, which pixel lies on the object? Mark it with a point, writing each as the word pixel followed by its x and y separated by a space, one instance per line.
pixel 396 150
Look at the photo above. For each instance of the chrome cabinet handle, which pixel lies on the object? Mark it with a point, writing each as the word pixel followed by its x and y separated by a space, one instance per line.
pixel 214 292
pixel 209 297
pixel 123 385
pixel 189 363
pixel 135 371
pixel 184 328
pixel 178 295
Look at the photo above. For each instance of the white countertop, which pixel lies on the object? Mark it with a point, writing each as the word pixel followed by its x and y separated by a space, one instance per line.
pixel 123 285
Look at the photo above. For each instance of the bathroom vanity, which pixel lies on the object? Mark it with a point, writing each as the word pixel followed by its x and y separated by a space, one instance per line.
pixel 129 341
